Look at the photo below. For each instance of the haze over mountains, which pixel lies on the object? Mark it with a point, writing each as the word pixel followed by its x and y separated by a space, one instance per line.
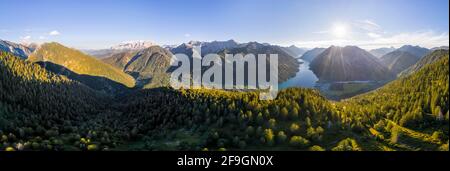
pixel 295 51
pixel 381 51
pixel 404 57
pixel 435 55
pixel 311 54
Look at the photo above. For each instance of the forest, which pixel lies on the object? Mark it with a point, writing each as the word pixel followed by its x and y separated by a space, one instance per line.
pixel 40 110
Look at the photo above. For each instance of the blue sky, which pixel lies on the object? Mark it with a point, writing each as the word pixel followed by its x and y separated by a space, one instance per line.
pixel 307 23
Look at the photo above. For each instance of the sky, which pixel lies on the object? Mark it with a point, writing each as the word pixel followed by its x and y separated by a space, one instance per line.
pixel 95 24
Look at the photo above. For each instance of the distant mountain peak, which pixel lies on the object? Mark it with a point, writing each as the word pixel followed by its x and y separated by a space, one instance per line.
pixel 134 45
pixel 19 50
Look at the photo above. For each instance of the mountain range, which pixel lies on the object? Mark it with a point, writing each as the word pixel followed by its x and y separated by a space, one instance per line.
pixel 402 58
pixel 19 50
pixel 295 51
pixel 287 64
pixel 381 51
pixel 40 110
pixel 414 50
pixel 48 102
pixel 428 59
pixel 145 64
pixel 148 66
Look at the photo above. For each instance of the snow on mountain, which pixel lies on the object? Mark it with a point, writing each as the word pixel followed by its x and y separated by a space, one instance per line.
pixel 19 50
pixel 134 45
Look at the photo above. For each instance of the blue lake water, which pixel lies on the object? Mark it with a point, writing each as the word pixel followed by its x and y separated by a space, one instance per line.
pixel 304 77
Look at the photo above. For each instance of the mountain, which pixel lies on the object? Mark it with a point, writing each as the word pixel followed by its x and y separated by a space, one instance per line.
pixel 19 50
pixel 408 114
pixel 403 57
pixel 123 47
pixel 207 47
pixel 311 54
pixel 42 111
pixel 428 59
pixel 414 50
pixel 101 53
pixel 133 45
pixel 287 64
pixel 411 110
pixel 120 59
pixel 439 48
pixel 186 48
pixel 81 67
pixel 349 63
pixel 429 81
pixel 398 61
pixel 216 46
pixel 148 66
pixel 294 51
pixel 381 51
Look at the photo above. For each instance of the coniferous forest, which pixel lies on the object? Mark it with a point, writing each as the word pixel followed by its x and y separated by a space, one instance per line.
pixel 43 110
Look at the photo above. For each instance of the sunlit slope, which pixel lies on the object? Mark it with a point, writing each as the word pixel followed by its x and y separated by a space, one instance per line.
pixel 79 63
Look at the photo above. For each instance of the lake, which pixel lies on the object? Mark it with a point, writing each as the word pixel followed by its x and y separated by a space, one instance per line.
pixel 304 77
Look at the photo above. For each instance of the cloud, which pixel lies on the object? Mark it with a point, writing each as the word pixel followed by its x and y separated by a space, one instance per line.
pixel 373 35
pixel 54 33
pixel 367 25
pixel 25 38
pixel 322 32
pixel 42 37
pixel 187 35
pixel 428 39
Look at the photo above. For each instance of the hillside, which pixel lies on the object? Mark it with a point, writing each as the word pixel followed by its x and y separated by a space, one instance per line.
pixel 418 102
pixel 414 50
pixel 396 117
pixel 349 63
pixel 311 54
pixel 287 64
pixel 410 113
pixel 150 67
pixel 120 59
pixel 39 108
pixel 428 59
pixel 398 61
pixel 81 67
pixel 381 51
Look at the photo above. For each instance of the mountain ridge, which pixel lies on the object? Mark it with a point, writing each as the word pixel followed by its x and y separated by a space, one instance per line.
pixel 64 59
pixel 349 63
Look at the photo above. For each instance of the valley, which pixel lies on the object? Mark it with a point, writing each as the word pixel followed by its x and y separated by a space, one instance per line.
pixel 60 99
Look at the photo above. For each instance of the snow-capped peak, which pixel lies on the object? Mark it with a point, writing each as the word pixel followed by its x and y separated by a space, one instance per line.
pixel 134 45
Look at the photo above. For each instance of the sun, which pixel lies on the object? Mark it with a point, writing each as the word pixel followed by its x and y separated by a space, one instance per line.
pixel 339 30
